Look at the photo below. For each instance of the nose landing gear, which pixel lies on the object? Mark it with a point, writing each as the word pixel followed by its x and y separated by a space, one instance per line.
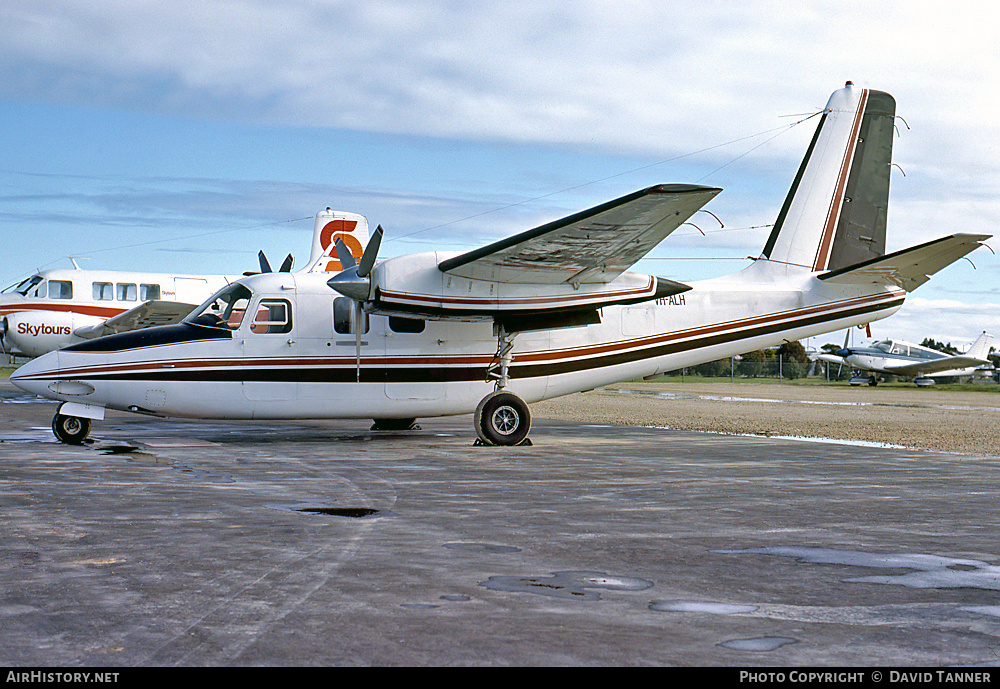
pixel 72 430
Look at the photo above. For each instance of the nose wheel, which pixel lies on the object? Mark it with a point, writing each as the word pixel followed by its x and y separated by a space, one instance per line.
pixel 72 430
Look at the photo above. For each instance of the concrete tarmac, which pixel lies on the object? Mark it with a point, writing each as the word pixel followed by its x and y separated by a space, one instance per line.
pixel 180 543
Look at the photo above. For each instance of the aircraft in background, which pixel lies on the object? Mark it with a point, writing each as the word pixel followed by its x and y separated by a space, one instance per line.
pixel 899 358
pixel 544 313
pixel 59 307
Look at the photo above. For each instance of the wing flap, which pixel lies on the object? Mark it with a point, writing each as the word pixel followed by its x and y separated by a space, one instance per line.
pixel 911 267
pixel 147 314
pixel 592 246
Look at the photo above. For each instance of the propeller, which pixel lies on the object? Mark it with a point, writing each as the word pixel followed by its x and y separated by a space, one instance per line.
pixel 843 352
pixel 265 267
pixel 354 281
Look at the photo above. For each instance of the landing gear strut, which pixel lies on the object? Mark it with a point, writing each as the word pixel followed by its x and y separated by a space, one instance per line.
pixel 72 430
pixel 502 418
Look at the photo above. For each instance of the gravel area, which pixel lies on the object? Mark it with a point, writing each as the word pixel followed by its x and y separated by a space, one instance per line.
pixel 932 419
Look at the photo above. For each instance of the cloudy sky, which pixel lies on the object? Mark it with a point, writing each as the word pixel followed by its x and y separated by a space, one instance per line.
pixel 185 136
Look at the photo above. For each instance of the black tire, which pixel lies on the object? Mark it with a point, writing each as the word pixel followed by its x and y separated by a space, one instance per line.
pixel 502 418
pixel 392 424
pixel 72 430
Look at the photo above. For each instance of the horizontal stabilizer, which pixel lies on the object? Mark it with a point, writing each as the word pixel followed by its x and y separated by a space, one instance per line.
pixel 911 267
pixel 145 315
pixel 590 247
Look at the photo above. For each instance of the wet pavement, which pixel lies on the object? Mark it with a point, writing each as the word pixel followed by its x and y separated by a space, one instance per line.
pixel 173 542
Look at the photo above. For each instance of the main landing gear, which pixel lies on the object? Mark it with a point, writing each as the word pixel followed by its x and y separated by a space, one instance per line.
pixel 502 418
pixel 72 430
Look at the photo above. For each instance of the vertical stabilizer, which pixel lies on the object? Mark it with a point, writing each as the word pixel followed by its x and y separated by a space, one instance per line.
pixel 981 347
pixel 835 213
pixel 331 225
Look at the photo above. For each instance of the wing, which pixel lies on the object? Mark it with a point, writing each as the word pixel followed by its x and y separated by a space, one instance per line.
pixel 592 246
pixel 937 365
pixel 147 314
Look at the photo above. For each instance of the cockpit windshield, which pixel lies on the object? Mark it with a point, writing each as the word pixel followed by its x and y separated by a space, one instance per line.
pixel 225 309
pixel 884 345
pixel 25 286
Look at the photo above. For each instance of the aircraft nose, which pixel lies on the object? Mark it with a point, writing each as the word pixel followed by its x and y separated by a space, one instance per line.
pixel 25 377
pixel 845 352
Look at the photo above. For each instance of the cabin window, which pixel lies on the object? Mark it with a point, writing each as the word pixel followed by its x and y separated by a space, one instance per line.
pixel 149 292
pixel 126 291
pixel 399 324
pixel 273 316
pixel 344 313
pixel 103 291
pixel 60 289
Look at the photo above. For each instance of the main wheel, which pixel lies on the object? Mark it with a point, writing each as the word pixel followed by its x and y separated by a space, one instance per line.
pixel 72 430
pixel 502 419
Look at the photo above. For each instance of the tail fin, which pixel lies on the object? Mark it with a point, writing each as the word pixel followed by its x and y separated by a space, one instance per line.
pixel 981 347
pixel 331 225
pixel 835 213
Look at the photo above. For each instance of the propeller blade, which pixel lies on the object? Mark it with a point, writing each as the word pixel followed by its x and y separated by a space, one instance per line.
pixel 345 255
pixel 357 336
pixel 286 265
pixel 370 254
pixel 265 267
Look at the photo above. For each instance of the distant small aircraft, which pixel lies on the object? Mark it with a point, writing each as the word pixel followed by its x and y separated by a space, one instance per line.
pixel 59 307
pixel 899 358
pixel 547 312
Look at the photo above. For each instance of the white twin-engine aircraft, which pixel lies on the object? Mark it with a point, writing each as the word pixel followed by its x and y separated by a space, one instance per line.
pixel 545 313
pixel 59 307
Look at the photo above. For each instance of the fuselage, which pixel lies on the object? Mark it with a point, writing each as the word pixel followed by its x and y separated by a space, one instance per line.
pixel 43 312
pixel 888 355
pixel 292 349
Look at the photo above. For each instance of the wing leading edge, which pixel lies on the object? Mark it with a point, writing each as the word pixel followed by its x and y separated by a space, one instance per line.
pixel 592 246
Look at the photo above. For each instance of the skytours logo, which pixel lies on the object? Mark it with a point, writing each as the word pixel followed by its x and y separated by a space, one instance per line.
pixel 42 329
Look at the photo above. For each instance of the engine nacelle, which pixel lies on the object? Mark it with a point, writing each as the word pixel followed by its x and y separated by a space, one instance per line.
pixel 33 333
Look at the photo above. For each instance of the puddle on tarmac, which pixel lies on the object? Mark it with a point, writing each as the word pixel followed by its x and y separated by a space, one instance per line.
pixel 927 571
pixel 701 606
pixel 763 643
pixel 570 585
pixel 482 548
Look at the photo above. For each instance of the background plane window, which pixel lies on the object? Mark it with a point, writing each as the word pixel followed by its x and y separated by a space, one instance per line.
pixel 27 284
pixel 273 316
pixel 399 324
pixel 103 291
pixel 344 314
pixel 126 291
pixel 147 292
pixel 60 289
